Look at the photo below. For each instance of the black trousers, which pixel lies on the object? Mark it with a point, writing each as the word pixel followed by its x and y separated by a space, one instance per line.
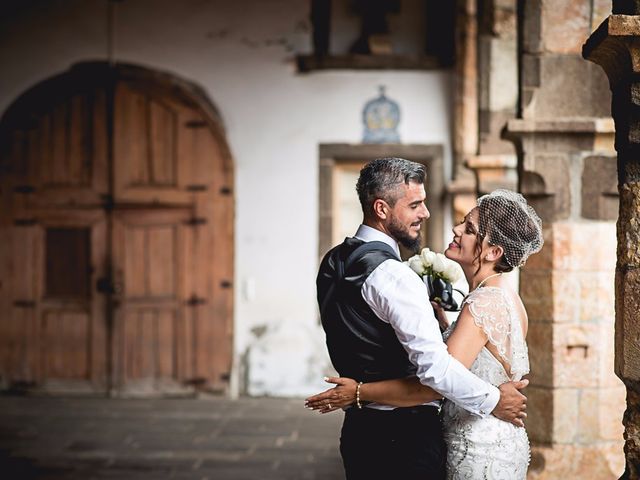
pixel 405 443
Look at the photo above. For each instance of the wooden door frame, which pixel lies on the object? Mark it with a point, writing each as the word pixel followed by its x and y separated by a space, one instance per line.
pixel 431 156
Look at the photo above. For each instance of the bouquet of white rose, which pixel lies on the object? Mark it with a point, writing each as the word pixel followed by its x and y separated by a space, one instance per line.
pixel 438 273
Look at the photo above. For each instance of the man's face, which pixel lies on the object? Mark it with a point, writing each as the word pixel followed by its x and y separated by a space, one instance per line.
pixel 406 216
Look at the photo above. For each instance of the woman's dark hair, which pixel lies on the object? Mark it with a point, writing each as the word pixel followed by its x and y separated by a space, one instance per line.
pixel 502 266
pixel 507 221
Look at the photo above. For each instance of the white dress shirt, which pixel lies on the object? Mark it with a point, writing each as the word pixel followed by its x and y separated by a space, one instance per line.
pixel 399 297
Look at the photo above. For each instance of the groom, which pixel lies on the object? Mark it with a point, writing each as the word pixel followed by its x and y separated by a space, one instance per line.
pixel 379 325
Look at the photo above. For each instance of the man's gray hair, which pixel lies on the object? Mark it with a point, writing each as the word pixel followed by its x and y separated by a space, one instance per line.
pixel 381 178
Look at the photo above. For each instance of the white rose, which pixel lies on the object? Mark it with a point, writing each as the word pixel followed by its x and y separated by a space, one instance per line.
pixel 415 263
pixel 439 263
pixel 453 271
pixel 427 257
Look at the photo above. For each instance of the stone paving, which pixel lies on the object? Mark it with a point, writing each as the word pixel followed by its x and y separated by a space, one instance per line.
pixel 157 439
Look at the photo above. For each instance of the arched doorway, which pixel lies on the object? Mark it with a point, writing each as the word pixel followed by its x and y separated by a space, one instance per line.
pixel 116 226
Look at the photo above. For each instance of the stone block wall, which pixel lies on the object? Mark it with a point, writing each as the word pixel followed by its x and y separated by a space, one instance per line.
pixel 574 399
pixel 567 171
pixel 562 159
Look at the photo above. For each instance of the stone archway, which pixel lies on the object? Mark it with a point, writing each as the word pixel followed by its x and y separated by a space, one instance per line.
pixel 117 233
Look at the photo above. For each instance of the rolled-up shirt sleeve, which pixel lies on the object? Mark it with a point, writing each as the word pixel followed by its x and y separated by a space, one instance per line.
pixel 399 297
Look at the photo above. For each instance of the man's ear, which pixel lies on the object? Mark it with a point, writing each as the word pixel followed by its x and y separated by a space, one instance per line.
pixel 494 253
pixel 380 209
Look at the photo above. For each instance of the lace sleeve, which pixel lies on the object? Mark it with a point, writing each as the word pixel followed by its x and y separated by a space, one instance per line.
pixel 494 312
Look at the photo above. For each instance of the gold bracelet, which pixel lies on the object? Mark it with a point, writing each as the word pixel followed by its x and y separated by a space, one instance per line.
pixel 359 405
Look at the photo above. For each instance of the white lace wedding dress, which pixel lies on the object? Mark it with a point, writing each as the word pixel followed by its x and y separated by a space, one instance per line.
pixel 488 448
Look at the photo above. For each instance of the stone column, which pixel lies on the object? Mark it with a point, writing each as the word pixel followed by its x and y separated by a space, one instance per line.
pixel 486 98
pixel 495 162
pixel 615 46
pixel 465 107
pixel 566 167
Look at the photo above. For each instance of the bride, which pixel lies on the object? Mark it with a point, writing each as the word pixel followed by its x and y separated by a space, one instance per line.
pixel 488 337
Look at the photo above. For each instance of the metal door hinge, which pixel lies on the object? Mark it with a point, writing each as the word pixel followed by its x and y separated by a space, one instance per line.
pixel 24 222
pixel 195 124
pixel 197 188
pixel 108 286
pixel 24 189
pixel 195 221
pixel 24 303
pixel 108 202
pixel 194 301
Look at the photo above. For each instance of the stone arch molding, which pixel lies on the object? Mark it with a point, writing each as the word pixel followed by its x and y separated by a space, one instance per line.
pixel 85 75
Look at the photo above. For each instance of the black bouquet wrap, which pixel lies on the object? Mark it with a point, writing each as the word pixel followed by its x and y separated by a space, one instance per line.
pixel 441 291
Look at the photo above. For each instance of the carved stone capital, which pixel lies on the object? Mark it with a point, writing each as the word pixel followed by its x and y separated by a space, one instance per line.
pixel 550 160
pixel 494 171
pixel 615 46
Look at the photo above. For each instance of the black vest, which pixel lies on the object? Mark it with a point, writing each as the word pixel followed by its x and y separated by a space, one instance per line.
pixel 361 346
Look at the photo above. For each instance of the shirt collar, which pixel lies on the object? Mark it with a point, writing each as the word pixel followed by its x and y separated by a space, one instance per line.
pixel 369 234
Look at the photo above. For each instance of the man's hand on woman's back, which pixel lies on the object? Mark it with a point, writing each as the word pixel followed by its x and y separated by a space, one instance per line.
pixel 512 405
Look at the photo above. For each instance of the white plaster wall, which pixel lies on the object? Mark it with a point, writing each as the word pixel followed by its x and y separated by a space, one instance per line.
pixel 242 54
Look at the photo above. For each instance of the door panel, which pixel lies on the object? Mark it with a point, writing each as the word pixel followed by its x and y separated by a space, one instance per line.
pixel 149 346
pixel 67 262
pixel 148 248
pixel 162 247
pixel 66 345
pixel 151 260
pixel 72 323
pixel 162 154
pixel 65 152
pixel 19 344
pixel 147 135
pixel 19 337
pixel 64 139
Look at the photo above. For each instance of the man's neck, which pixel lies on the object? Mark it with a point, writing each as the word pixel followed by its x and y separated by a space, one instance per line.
pixel 378 226
pixel 368 232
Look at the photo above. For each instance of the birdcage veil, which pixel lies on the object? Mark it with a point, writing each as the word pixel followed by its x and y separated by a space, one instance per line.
pixel 507 220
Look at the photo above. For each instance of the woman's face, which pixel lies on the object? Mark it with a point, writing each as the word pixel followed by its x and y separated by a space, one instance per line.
pixel 463 247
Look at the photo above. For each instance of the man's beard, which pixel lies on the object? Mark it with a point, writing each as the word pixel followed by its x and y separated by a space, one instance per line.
pixel 402 235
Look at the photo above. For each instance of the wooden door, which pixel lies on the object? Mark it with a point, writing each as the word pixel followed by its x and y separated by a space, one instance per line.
pixel 173 200
pixel 117 216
